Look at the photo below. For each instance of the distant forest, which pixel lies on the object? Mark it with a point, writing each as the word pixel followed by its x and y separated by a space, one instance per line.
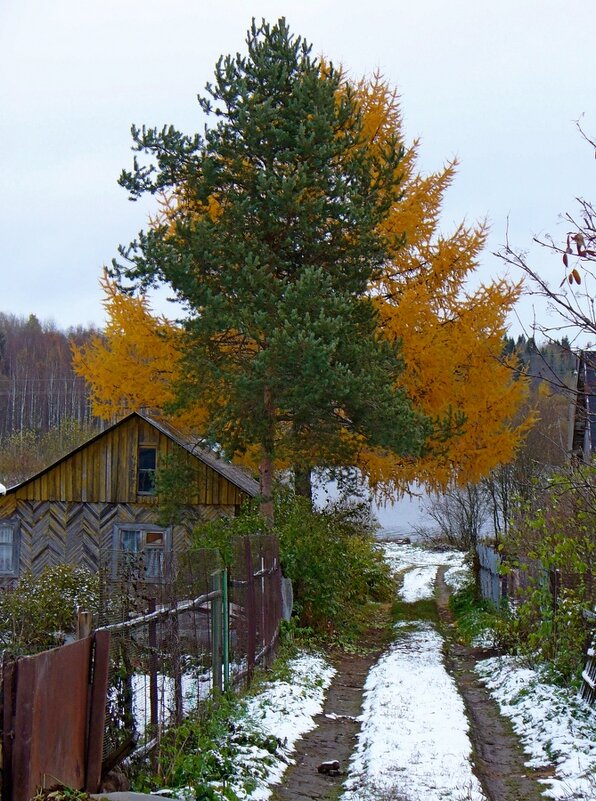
pixel 45 409
pixel 553 362
pixel 44 406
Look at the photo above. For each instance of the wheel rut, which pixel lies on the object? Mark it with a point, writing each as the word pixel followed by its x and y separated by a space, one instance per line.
pixel 334 737
pixel 498 755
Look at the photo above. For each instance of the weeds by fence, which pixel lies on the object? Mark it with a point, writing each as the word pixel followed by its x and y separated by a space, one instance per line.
pixel 515 582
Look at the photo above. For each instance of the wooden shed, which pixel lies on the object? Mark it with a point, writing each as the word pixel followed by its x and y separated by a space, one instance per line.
pixel 100 498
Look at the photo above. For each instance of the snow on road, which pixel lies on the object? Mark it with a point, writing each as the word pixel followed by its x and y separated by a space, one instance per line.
pixel 414 741
pixel 419 568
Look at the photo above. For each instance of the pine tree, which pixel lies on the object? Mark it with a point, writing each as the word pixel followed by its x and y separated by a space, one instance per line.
pixel 271 237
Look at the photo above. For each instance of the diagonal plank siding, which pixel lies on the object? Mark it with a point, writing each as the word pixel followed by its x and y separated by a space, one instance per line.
pixel 53 532
pixel 68 512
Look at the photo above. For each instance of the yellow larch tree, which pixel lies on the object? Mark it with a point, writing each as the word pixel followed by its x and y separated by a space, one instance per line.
pixel 135 363
pixel 451 337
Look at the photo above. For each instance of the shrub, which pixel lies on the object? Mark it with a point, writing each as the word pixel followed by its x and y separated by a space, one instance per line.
pixel 39 610
pixel 204 753
pixel 556 531
pixel 329 555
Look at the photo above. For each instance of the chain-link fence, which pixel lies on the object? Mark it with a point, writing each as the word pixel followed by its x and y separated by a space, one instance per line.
pixel 181 628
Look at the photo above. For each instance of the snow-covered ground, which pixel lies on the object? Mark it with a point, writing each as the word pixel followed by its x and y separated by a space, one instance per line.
pixel 418 567
pixel 414 743
pixel 284 710
pixel 555 726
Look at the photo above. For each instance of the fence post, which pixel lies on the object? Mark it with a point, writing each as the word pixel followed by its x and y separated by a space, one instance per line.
pixel 97 710
pixel 251 612
pixel 216 629
pixel 84 624
pixel 226 627
pixel 153 701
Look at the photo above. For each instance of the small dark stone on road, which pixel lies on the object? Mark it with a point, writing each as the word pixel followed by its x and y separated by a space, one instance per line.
pixel 329 768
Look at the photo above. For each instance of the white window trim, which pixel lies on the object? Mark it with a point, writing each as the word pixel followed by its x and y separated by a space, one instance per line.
pixel 143 528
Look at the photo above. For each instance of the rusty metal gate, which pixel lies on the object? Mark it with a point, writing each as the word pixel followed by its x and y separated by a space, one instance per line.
pixel 53 718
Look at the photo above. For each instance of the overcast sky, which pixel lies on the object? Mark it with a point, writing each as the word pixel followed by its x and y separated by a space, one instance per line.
pixel 498 85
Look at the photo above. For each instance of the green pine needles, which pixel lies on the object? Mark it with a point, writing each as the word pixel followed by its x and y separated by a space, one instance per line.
pixel 270 238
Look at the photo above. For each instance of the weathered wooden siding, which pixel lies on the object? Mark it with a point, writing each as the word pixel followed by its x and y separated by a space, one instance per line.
pixel 54 532
pixel 105 471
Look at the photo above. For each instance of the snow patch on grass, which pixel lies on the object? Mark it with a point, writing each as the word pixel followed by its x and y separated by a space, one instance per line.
pixel 286 710
pixel 555 726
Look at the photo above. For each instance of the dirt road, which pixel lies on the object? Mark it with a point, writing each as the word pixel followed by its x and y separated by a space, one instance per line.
pixel 498 757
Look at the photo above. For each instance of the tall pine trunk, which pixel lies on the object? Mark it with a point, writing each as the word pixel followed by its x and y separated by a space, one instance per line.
pixel 266 463
pixel 302 481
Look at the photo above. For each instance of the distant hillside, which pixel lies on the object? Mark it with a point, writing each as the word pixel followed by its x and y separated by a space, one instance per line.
pixel 553 362
pixel 38 388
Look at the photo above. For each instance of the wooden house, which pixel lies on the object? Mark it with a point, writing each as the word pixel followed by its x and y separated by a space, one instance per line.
pixel 100 499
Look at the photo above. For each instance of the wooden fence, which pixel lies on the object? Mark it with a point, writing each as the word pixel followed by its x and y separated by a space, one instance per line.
pixel 588 688
pixel 71 714
pixel 491 580
pixel 172 645
pixel 497 585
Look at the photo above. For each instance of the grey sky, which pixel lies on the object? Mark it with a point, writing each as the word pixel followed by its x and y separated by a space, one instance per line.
pixel 496 84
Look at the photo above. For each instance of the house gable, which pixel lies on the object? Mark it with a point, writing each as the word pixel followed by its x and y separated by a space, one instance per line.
pixel 106 470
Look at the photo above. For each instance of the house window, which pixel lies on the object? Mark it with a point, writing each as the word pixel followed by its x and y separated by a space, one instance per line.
pixel 9 562
pixel 143 547
pixel 146 472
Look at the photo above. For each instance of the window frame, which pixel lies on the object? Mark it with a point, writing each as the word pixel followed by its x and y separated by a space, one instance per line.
pixel 151 492
pixel 143 529
pixel 15 526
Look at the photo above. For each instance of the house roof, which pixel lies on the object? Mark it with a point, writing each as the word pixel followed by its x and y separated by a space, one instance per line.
pixel 232 473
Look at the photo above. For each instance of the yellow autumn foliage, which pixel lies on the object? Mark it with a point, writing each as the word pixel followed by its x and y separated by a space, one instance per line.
pixel 451 337
pixel 135 362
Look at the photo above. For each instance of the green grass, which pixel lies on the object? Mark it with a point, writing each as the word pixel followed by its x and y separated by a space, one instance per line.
pixel 473 617
pixel 411 612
